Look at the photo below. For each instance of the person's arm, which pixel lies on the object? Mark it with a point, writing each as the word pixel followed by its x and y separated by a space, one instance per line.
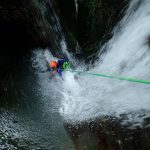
pixel 49 69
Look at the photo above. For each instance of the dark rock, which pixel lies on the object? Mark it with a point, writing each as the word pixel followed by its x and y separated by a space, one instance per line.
pixel 106 133
pixel 24 24
pixel 27 24
pixel 96 18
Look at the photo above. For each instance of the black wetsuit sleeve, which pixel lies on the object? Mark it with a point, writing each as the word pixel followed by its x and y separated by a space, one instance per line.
pixel 49 69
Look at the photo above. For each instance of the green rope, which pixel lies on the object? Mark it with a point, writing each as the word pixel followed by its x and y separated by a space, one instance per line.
pixel 113 77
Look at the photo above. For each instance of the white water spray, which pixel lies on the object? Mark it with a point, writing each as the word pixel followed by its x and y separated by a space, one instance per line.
pixel 128 54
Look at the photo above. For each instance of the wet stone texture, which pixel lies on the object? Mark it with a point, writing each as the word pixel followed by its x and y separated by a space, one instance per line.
pixel 25 25
pixel 108 134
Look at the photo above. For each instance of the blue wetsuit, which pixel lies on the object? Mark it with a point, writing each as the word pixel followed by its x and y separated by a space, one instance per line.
pixel 60 66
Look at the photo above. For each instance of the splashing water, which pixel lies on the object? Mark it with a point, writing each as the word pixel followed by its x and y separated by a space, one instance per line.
pixel 128 54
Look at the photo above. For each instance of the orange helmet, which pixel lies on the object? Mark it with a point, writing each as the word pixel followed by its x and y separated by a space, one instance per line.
pixel 53 64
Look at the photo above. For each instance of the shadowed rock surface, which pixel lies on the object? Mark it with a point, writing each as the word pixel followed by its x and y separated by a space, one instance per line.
pixel 92 22
pixel 28 24
pixel 108 133
pixel 24 25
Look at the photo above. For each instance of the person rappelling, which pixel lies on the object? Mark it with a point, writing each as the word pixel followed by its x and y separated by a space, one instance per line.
pixel 56 67
pixel 59 66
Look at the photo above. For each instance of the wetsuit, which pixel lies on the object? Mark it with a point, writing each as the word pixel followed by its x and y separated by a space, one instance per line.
pixel 60 67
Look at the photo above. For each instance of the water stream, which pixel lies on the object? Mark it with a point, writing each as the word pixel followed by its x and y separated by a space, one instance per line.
pixel 39 105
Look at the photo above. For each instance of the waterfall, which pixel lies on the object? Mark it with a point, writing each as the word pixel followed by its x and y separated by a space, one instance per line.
pixel 127 54
pixel 76 5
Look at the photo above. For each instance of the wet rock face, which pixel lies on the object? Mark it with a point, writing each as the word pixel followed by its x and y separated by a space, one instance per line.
pixel 24 24
pixel 95 19
pixel 30 16
pixel 108 134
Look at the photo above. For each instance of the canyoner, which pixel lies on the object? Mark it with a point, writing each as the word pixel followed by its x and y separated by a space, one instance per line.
pixel 56 67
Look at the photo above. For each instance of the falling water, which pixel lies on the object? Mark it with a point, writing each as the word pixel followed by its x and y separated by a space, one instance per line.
pixel 76 5
pixel 128 54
